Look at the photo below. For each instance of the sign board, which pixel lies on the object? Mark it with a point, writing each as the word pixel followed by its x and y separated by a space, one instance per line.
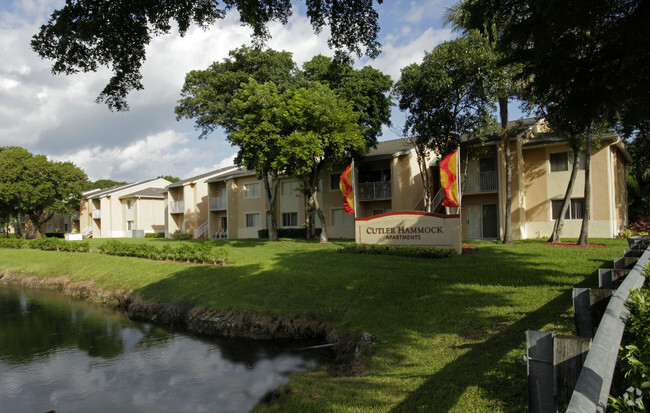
pixel 410 228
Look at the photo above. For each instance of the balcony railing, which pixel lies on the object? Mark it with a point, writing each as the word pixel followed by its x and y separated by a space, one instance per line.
pixel 130 214
pixel 177 207
pixel 374 190
pixel 480 182
pixel 97 214
pixel 218 203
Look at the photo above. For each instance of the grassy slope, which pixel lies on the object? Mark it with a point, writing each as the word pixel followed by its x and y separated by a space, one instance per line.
pixel 450 333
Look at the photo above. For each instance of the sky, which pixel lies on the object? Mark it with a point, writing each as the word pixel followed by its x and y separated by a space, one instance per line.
pixel 56 115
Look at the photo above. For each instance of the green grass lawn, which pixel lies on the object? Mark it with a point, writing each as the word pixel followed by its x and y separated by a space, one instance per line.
pixel 450 333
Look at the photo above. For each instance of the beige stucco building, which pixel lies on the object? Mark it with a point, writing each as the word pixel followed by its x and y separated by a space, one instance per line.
pixel 541 167
pixel 230 202
pixel 116 212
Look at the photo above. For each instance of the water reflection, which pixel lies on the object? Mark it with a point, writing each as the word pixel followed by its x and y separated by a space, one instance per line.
pixel 67 356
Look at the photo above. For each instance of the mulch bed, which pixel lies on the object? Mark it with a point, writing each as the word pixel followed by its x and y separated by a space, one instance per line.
pixel 469 249
pixel 572 244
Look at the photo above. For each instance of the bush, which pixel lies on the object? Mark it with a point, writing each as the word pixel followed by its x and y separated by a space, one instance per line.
pixel 640 227
pixel 154 235
pixel 413 251
pixel 182 236
pixel 634 354
pixel 13 243
pixel 295 233
pixel 200 252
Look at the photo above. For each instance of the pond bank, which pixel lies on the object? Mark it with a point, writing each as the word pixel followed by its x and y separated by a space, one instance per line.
pixel 209 322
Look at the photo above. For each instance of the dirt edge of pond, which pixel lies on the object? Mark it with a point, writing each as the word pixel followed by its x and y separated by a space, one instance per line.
pixel 348 351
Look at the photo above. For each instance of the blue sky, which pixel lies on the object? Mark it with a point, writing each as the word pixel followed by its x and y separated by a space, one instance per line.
pixel 57 115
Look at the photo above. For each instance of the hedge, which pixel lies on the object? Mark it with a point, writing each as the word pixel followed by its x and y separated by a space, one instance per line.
pixel 287 233
pixel 203 252
pixel 413 251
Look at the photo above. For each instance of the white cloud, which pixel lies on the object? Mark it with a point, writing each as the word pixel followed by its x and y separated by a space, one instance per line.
pixel 58 116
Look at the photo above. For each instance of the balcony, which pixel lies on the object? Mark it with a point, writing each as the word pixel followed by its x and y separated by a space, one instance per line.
pixel 97 214
pixel 130 214
pixel 177 207
pixel 218 203
pixel 480 182
pixel 369 191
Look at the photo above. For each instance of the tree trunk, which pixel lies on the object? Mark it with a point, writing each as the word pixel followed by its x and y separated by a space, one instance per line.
pixel 421 154
pixel 313 196
pixel 586 211
pixel 37 222
pixel 17 230
pixel 505 141
pixel 559 222
pixel 271 191
pixel 310 221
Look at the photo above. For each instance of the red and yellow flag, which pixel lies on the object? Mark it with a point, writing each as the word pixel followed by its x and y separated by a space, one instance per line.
pixel 346 186
pixel 449 179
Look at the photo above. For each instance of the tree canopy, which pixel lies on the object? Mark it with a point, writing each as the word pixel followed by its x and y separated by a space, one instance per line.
pixel 33 185
pixel 448 95
pixel 85 35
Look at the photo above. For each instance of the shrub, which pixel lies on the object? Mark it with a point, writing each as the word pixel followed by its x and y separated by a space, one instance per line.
pixel 413 251
pixel 182 236
pixel 154 235
pixel 199 252
pixel 295 233
pixel 640 227
pixel 634 355
pixel 13 243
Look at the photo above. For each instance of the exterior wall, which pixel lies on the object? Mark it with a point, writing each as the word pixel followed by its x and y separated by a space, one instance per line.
pixel 240 206
pixel 332 205
pixel 148 214
pixel 543 186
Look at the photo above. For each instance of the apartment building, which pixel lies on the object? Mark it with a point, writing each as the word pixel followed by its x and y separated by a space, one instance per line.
pixel 115 212
pixel 541 167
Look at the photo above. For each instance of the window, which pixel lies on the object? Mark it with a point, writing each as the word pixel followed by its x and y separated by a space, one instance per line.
pixel 50 227
pixel 559 161
pixel 252 190
pixel 378 211
pixel 129 225
pixel 289 219
pixel 563 161
pixel 224 222
pixel 335 180
pixel 66 228
pixel 289 188
pixel 573 212
pixel 340 218
pixel 252 220
pixel 129 204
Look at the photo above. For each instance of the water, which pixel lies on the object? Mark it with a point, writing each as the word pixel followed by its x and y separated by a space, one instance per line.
pixel 61 355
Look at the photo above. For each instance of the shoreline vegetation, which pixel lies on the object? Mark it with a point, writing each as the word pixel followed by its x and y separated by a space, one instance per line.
pixel 410 333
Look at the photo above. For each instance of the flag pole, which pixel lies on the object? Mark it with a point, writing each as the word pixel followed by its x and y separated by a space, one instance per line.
pixel 460 195
pixel 354 189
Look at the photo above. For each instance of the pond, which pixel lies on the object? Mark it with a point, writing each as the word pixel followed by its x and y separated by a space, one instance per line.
pixel 57 354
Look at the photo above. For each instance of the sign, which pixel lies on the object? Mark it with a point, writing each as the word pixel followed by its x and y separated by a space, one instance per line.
pixel 410 228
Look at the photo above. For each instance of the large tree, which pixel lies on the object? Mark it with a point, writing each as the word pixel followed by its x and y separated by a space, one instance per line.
pixel 366 88
pixel 39 188
pixel 85 35
pixel 489 21
pixel 448 95
pixel 208 96
pixel 258 125
pixel 325 132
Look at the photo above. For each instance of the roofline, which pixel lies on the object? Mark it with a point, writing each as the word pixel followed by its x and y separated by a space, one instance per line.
pixel 202 177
